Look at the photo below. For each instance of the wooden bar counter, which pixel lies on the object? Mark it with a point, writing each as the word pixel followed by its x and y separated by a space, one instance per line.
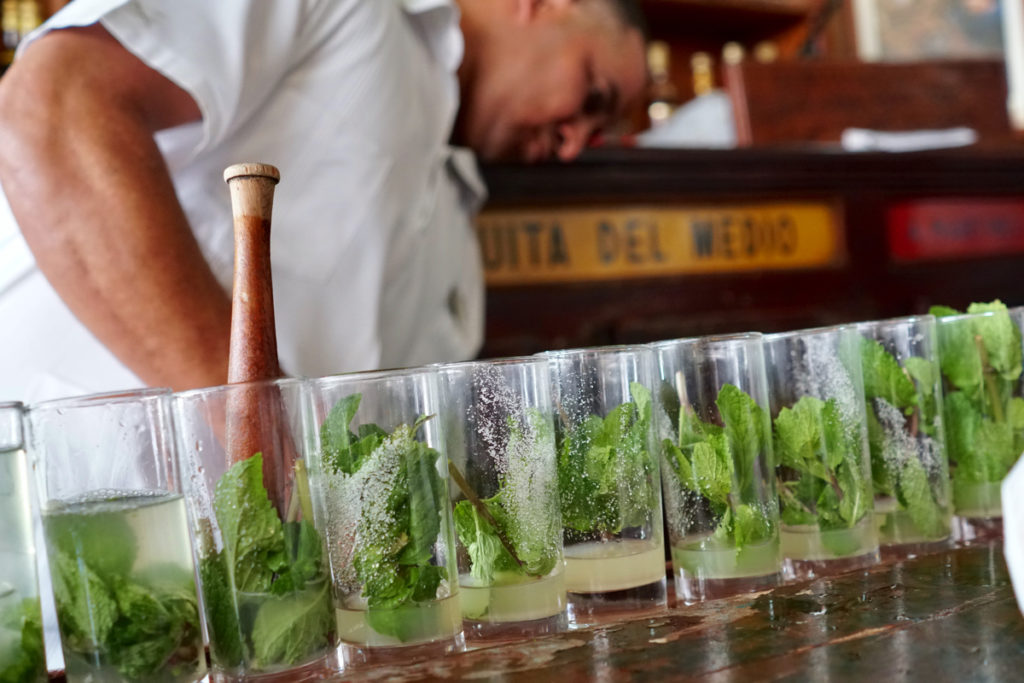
pixel 946 616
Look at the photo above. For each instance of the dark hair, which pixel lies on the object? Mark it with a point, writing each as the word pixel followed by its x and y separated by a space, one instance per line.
pixel 629 12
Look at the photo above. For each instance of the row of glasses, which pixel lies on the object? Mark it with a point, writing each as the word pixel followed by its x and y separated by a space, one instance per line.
pixel 355 518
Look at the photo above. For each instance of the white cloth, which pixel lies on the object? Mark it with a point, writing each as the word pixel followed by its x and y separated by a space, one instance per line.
pixel 1012 495
pixel 375 263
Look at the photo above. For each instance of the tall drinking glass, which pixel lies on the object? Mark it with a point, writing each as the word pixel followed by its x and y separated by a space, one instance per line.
pixel 608 479
pixel 117 539
pixel 501 449
pixel 22 656
pixel 822 459
pixel 382 489
pixel 263 570
pixel 903 391
pixel 980 357
pixel 717 468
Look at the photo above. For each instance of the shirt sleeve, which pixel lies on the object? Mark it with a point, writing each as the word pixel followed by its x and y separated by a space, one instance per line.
pixel 228 55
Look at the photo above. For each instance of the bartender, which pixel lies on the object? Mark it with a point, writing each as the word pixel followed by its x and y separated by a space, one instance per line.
pixel 115 225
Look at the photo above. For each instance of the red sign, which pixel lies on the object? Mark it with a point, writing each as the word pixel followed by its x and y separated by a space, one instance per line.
pixel 939 229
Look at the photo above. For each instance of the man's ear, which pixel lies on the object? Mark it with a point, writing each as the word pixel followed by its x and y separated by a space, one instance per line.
pixel 528 10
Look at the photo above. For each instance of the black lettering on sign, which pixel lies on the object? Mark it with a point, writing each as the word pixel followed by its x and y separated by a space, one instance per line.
pixel 559 252
pixel 786 235
pixel 703 237
pixel 540 244
pixel 494 243
pixel 533 239
pixel 732 236
pixel 633 242
pixel 607 242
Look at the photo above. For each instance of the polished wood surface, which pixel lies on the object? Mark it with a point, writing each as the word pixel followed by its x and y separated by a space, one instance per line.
pixel 787 102
pixel 947 616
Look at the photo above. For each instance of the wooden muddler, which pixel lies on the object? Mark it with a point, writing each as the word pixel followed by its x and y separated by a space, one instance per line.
pixel 253 354
pixel 255 419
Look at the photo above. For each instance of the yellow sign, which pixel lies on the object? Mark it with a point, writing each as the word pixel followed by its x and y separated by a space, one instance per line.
pixel 574 245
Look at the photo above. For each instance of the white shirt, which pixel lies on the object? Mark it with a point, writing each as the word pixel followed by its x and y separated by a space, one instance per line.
pixel 375 263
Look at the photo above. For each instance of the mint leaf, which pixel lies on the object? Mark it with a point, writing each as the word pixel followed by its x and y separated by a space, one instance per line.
pixel 943 311
pixel 600 459
pixel 227 649
pixel 745 428
pixel 140 624
pixel 287 628
pixel 152 626
pixel 1001 338
pixel 426 490
pixel 750 525
pixel 720 465
pixel 399 522
pixel 22 659
pixel 884 378
pixel 823 451
pixel 263 562
pixel 925 374
pixel 304 550
pixel 917 497
pixel 335 438
pixel 897 454
pixel 85 605
pixel 712 472
pixel 959 357
pixel 251 532
pixel 487 554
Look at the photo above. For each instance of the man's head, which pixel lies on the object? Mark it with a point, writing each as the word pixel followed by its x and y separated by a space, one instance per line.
pixel 541 77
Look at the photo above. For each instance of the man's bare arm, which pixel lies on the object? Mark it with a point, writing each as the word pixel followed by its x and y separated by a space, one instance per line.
pixel 96 205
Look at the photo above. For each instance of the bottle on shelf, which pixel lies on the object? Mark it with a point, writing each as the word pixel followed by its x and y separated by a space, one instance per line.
pixel 10 34
pixel 766 52
pixel 18 18
pixel 733 53
pixel 702 66
pixel 30 16
pixel 663 95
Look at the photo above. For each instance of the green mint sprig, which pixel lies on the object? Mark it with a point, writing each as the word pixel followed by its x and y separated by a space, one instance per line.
pixel 823 449
pixel 144 624
pixel 22 658
pixel 266 590
pixel 598 460
pixel 984 415
pixel 395 543
pixel 720 464
pixel 505 542
pixel 901 414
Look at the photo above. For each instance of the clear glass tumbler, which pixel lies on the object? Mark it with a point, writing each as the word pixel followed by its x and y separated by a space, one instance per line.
pixel 381 482
pixel 910 472
pixel 609 481
pixel 501 448
pixel 22 655
pixel 823 464
pixel 983 410
pixel 717 467
pixel 117 540
pixel 263 569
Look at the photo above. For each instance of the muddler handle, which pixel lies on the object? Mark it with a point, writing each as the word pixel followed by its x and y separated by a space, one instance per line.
pixel 254 414
pixel 253 351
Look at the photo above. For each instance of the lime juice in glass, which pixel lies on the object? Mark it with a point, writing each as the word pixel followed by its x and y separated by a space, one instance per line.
pixel 117 539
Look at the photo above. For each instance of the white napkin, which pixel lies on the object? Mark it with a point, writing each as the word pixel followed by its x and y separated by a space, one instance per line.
pixel 1013 528
pixel 864 140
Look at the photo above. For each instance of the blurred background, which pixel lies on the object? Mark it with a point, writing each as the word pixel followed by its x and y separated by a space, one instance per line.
pixel 796 163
